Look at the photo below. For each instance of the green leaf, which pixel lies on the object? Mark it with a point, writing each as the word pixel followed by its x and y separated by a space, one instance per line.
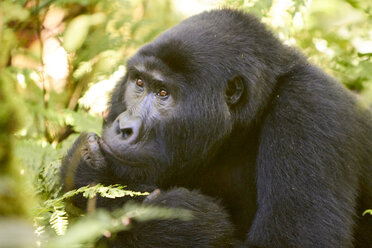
pixel 368 211
pixel 83 122
pixel 93 226
pixel 78 29
pixel 87 228
pixel 13 12
pixel 76 33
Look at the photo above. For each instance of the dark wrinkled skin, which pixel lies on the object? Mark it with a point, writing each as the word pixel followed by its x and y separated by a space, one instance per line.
pixel 218 108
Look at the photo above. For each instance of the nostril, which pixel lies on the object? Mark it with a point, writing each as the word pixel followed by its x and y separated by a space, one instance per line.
pixel 126 132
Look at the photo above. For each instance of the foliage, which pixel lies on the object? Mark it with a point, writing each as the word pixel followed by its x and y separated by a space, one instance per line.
pixel 53 52
pixel 103 223
pixel 56 206
pixel 11 194
pixel 60 58
pixel 335 35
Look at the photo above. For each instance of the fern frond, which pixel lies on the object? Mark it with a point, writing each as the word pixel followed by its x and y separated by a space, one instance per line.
pixel 111 191
pixel 59 221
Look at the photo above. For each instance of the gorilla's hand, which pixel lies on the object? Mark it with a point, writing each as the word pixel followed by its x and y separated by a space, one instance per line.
pixel 84 163
pixel 154 194
pixel 91 151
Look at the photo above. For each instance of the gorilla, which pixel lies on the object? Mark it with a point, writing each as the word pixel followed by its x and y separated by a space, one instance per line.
pixel 219 117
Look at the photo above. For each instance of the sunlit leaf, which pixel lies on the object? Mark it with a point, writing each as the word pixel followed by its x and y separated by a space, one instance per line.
pixel 76 33
pixel 13 11
pixel 368 211
pixel 78 29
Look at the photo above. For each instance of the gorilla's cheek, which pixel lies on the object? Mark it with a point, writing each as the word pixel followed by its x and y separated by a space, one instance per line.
pixel 197 133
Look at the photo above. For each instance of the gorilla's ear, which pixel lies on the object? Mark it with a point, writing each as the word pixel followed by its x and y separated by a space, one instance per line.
pixel 234 90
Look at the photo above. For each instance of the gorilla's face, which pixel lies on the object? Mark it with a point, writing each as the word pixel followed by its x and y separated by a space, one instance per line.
pixel 166 114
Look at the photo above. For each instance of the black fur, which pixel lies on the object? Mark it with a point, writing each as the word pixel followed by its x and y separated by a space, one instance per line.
pixel 286 148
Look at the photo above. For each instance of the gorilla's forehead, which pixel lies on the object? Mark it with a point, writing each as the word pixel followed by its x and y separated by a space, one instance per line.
pixel 194 44
pixel 153 65
pixel 215 44
pixel 147 69
pixel 170 55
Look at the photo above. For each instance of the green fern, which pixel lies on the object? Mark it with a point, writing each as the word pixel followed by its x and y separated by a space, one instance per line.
pixel 92 226
pixel 111 191
pixel 59 221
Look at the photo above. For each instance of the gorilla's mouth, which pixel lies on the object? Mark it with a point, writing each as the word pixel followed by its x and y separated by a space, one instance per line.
pixel 108 151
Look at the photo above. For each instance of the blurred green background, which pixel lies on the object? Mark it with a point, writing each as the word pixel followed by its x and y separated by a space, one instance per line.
pixel 59 59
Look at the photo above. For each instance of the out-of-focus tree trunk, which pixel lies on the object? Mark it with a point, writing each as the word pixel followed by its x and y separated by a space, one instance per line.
pixel 15 204
pixel 11 192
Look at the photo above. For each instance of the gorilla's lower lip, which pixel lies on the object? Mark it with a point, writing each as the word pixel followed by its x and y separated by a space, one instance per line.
pixel 108 151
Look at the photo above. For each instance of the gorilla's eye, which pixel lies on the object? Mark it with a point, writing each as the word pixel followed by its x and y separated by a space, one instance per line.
pixel 162 93
pixel 140 82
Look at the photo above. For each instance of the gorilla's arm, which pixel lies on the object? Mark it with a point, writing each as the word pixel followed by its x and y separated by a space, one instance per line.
pixel 84 164
pixel 305 186
pixel 209 225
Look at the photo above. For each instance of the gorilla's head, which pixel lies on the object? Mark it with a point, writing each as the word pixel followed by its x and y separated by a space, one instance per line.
pixel 185 93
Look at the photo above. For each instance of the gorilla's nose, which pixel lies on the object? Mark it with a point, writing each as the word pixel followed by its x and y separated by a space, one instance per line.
pixel 128 127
